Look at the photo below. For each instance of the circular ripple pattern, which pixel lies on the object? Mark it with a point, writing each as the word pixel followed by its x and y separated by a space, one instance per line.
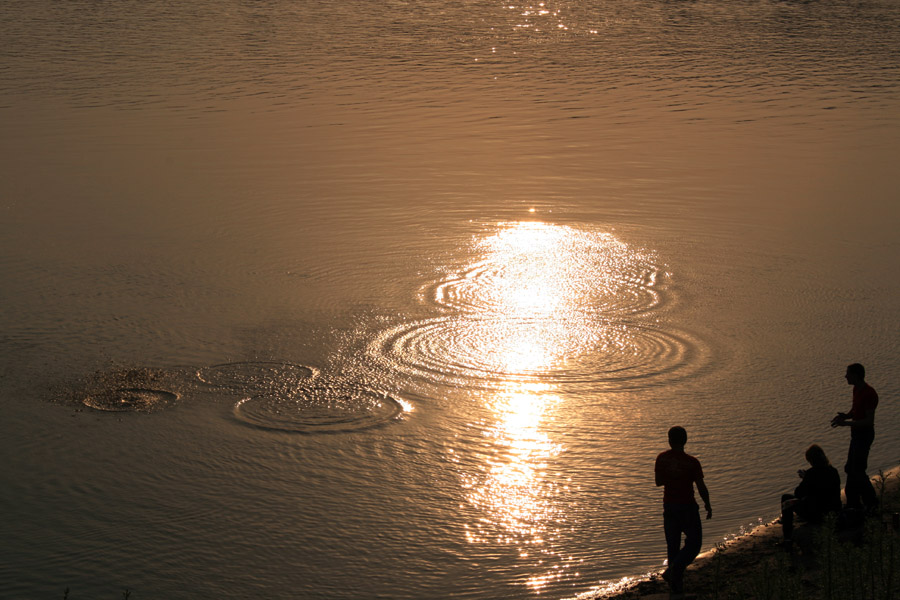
pixel 129 399
pixel 541 268
pixel 124 390
pixel 490 353
pixel 544 302
pixel 320 409
pixel 257 377
pixel 488 288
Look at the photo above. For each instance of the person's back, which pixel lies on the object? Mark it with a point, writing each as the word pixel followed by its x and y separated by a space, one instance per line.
pixel 678 472
pixel 820 491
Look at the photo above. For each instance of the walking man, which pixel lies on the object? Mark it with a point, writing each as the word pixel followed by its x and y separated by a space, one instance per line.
pixel 861 421
pixel 679 472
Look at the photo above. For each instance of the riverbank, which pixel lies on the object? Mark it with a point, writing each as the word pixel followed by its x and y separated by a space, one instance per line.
pixel 755 565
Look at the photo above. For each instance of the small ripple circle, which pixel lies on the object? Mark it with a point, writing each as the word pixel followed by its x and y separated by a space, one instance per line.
pixel 139 389
pixel 329 408
pixel 257 376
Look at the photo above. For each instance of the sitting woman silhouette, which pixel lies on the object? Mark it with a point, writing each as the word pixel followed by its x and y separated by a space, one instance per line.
pixel 817 495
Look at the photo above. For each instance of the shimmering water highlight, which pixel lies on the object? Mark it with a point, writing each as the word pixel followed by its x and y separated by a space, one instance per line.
pixel 545 303
pixel 538 269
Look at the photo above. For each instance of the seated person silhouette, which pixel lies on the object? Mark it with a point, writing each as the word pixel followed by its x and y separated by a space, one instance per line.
pixel 818 494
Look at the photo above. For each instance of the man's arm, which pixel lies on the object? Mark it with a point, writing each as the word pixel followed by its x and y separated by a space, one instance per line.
pixel 839 419
pixel 844 420
pixel 704 494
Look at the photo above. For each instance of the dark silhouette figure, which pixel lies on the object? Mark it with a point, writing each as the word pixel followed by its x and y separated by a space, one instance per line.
pixel 861 420
pixel 818 494
pixel 679 472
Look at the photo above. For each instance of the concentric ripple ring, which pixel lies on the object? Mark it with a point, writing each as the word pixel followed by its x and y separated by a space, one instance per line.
pixel 139 389
pixel 257 377
pixel 492 352
pixel 481 289
pixel 320 409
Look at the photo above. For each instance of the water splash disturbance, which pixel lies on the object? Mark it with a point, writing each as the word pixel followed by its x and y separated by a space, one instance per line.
pixel 130 390
pixel 129 399
pixel 320 408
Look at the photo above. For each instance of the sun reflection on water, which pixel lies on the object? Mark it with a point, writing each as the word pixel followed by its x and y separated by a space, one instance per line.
pixel 534 266
pixel 537 14
pixel 541 294
pixel 515 493
pixel 534 302
pixel 540 318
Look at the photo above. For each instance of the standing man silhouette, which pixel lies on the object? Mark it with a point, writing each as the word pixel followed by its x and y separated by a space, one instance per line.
pixel 861 421
pixel 679 472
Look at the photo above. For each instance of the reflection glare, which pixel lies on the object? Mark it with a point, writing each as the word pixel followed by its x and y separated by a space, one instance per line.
pixel 543 303
pixel 534 15
pixel 541 294
pixel 534 302
pixel 515 494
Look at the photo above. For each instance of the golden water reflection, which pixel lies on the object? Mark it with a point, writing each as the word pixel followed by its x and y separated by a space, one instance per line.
pixel 542 293
pixel 536 298
pixel 513 492
pixel 516 494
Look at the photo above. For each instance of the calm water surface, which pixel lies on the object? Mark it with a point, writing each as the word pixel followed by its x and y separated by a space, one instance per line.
pixel 398 300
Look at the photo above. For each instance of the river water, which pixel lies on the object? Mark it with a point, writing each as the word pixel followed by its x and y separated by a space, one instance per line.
pixel 398 299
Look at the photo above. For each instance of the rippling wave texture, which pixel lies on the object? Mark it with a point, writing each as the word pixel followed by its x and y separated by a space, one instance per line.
pixel 546 303
pixel 171 54
pixel 291 397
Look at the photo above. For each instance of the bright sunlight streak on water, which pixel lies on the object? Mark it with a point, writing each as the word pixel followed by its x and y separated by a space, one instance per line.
pixel 534 299
pixel 536 274
pixel 533 302
pixel 537 312
pixel 514 493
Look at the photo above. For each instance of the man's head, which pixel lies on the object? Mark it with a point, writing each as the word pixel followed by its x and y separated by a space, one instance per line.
pixel 677 438
pixel 856 373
